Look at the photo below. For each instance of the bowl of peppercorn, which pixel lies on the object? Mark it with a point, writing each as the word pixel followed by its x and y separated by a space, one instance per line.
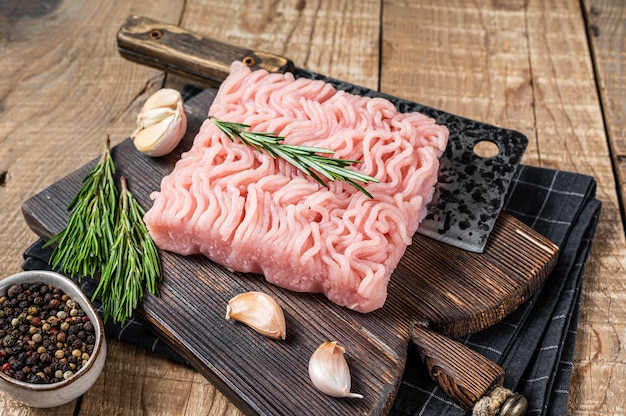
pixel 52 343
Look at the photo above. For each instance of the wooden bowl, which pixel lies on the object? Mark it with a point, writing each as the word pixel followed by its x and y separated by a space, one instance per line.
pixel 62 392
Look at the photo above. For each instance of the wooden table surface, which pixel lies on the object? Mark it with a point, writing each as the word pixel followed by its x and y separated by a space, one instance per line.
pixel 551 69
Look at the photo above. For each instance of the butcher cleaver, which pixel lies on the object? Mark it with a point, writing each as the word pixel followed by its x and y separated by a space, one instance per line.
pixel 471 188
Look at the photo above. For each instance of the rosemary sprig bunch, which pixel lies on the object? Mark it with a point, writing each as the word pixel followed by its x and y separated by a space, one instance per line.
pixel 132 262
pixel 308 159
pixel 84 244
pixel 106 237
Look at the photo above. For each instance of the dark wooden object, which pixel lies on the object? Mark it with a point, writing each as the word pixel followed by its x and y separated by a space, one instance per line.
pixel 453 291
pixel 143 41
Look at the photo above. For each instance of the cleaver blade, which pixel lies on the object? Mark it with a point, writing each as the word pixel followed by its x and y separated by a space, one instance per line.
pixel 471 188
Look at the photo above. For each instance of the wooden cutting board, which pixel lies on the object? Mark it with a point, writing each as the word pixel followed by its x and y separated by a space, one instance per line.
pixel 455 292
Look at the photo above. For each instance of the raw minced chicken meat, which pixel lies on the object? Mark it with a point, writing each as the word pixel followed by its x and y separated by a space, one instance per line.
pixel 251 213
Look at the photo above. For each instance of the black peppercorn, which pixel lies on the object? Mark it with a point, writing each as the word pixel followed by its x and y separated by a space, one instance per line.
pixel 36 325
pixel 14 290
pixel 54 303
pixel 17 365
pixel 74 329
pixel 76 345
pixel 8 341
pixel 45 358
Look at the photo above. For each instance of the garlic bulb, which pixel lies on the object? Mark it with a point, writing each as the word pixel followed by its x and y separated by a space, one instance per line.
pixel 329 371
pixel 161 123
pixel 260 312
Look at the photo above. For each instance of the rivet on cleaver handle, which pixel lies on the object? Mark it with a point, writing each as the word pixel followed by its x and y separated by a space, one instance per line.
pixel 471 189
pixel 175 50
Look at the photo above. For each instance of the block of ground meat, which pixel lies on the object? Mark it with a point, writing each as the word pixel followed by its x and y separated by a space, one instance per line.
pixel 252 213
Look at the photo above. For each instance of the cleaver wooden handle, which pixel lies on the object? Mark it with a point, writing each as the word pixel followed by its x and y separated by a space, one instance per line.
pixel 182 52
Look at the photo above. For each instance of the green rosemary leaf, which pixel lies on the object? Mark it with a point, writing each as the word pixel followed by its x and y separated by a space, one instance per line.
pixel 307 150
pixel 84 243
pixel 301 164
pixel 132 264
pixel 105 235
pixel 308 159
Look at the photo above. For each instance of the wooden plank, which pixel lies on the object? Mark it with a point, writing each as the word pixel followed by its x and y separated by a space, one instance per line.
pixel 334 38
pixel 606 28
pixel 468 58
pixel 572 136
pixel 603 327
pixel 136 382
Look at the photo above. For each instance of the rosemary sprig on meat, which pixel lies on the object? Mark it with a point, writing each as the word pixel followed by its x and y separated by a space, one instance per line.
pixel 308 159
pixel 106 238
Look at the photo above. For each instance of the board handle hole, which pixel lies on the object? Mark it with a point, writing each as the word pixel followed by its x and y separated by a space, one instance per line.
pixel 155 34
pixel 486 149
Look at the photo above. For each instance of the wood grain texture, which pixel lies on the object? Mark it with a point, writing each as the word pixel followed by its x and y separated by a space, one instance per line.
pixel 572 136
pixel 335 38
pixel 470 382
pixel 139 382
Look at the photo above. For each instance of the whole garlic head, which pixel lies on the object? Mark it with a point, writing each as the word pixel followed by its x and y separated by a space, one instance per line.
pixel 161 123
pixel 329 371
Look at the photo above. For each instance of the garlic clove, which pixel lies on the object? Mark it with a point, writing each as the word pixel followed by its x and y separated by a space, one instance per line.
pixel 161 138
pixel 329 371
pixel 165 97
pixel 258 311
pixel 161 123
pixel 153 116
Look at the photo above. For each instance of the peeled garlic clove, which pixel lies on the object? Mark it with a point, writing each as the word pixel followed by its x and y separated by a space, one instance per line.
pixel 260 312
pixel 329 371
pixel 161 123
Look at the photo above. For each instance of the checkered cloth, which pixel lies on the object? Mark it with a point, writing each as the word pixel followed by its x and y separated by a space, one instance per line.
pixel 534 345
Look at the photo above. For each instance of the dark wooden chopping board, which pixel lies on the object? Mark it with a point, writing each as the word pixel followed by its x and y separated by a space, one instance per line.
pixel 454 291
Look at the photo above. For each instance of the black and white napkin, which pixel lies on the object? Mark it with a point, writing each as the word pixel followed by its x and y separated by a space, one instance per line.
pixel 534 345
